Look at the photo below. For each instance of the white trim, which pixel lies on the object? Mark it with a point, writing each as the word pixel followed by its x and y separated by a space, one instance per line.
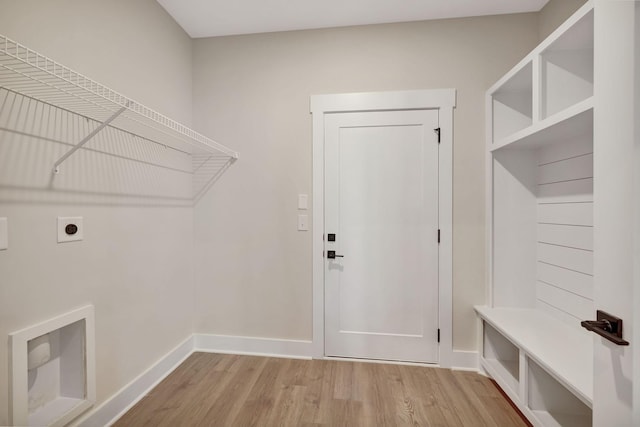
pixel 227 344
pixel 466 360
pixel 317 236
pixel 381 362
pixel 445 217
pixel 110 411
pixel 383 101
pixel 19 409
pixel 488 203
pixel 445 101
pixel 462 361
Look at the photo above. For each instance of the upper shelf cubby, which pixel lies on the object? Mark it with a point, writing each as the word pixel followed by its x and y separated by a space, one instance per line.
pixel 26 74
pixel 552 87
pixel 512 103
pixel 567 68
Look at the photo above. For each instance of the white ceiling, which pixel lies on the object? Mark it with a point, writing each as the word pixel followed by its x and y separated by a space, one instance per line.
pixel 208 18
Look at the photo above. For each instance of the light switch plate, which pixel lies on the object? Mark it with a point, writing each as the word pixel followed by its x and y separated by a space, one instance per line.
pixel 303 202
pixel 66 235
pixel 303 222
pixel 4 234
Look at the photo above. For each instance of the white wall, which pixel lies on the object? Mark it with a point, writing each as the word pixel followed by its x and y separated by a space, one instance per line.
pixel 135 264
pixel 253 268
pixel 554 13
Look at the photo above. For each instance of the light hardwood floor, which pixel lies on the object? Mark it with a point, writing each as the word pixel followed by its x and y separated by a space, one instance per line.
pixel 229 390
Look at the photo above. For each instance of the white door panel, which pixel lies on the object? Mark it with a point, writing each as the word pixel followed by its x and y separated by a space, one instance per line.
pixel 614 216
pixel 381 201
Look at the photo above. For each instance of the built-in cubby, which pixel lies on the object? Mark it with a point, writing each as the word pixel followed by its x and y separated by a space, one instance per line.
pixel 567 68
pixel 502 357
pixel 543 228
pixel 540 219
pixel 512 103
pixel 551 403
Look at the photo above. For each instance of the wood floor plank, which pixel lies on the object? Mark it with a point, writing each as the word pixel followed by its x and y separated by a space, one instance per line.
pixel 468 412
pixel 475 401
pixel 172 393
pixel 210 380
pixel 288 407
pixel 419 395
pixel 261 398
pixel 325 402
pixel 344 409
pixel 230 390
pixel 490 397
pixel 439 406
pixel 224 410
pixel 313 394
pixel 343 381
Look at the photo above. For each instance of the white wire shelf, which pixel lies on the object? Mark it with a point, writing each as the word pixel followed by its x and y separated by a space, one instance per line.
pixel 115 167
pixel 29 73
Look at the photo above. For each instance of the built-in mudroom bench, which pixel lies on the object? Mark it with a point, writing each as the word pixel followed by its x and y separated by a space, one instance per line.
pixel 541 364
pixel 540 221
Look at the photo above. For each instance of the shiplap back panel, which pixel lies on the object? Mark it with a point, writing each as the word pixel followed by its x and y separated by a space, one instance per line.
pixel 565 230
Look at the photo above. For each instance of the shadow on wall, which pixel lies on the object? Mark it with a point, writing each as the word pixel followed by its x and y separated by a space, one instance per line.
pixel 115 167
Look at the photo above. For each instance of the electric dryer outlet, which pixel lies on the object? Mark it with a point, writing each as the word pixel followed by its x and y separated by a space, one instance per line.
pixel 70 229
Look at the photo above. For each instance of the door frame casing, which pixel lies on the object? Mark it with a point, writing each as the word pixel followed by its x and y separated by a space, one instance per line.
pixel 443 100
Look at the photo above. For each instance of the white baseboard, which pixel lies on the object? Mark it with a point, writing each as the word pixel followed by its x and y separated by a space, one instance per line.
pixel 297 349
pixel 465 361
pixel 123 400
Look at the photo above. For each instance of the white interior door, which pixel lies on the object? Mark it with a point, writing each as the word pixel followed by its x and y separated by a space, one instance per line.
pixel 381 204
pixel 615 217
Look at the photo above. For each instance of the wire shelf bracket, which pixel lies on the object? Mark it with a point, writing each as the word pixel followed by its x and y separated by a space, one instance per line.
pixel 56 166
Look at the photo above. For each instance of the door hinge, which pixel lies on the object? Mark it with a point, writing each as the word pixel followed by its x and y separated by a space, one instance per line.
pixel 437 131
pixel 438 335
pixel 438 235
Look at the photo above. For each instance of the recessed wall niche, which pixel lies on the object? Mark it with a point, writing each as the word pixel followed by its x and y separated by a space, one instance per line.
pixel 53 370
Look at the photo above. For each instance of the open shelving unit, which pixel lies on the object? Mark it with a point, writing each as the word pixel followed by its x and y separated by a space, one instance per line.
pixel 540 201
pixel 46 101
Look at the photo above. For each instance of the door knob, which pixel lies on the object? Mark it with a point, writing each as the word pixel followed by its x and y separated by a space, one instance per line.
pixel 332 255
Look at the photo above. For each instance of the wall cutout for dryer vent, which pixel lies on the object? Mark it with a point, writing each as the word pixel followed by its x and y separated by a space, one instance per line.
pixel 53 370
pixel 70 229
